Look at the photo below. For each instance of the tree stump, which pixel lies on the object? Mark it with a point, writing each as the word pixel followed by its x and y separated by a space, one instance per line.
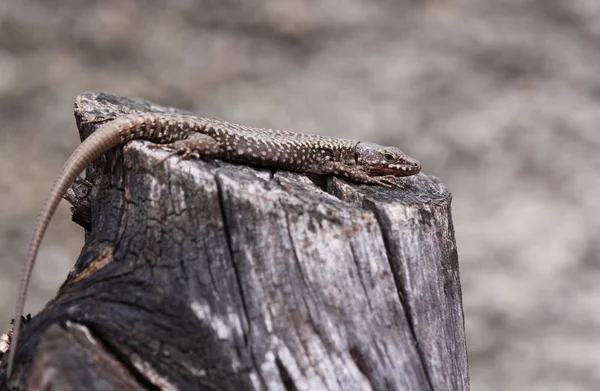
pixel 205 275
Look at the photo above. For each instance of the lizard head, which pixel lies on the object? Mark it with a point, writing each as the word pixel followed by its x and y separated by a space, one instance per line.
pixel 377 160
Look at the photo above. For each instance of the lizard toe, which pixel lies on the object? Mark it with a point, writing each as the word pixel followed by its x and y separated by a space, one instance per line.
pixel 388 181
pixel 178 151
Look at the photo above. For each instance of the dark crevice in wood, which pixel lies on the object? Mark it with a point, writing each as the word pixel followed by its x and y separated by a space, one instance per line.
pixel 238 277
pixel 360 277
pixel 227 234
pixel 272 174
pixel 361 362
pixel 286 379
pixel 383 223
pixel 123 359
pixel 295 251
pixel 321 182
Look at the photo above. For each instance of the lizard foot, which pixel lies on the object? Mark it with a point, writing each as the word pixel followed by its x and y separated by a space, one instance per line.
pixel 184 152
pixel 388 181
pixel 198 145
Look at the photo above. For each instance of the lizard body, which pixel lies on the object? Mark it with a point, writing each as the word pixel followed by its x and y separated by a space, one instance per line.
pixel 206 138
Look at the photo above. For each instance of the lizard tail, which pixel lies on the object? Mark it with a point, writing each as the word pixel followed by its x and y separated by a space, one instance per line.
pixel 99 142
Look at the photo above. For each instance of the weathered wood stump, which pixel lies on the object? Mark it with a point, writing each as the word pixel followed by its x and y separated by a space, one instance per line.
pixel 212 276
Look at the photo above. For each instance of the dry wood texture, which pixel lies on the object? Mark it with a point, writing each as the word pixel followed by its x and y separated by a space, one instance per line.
pixel 212 276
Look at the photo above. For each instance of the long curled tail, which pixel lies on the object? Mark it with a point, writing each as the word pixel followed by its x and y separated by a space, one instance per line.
pixel 99 142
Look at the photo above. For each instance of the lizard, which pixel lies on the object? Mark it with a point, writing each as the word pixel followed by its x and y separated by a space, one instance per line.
pixel 201 137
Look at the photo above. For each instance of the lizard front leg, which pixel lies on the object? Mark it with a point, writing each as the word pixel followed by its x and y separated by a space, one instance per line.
pixel 355 174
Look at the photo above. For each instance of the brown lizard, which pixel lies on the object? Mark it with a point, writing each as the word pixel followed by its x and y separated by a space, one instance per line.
pixel 206 138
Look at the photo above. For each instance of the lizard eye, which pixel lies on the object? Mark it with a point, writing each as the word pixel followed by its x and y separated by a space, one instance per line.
pixel 388 156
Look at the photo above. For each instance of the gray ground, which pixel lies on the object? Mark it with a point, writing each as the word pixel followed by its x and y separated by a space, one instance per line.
pixel 500 99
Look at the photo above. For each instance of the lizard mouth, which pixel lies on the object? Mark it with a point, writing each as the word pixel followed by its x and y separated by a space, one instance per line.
pixel 396 169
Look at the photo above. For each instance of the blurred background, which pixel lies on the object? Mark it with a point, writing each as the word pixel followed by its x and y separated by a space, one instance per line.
pixel 499 99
